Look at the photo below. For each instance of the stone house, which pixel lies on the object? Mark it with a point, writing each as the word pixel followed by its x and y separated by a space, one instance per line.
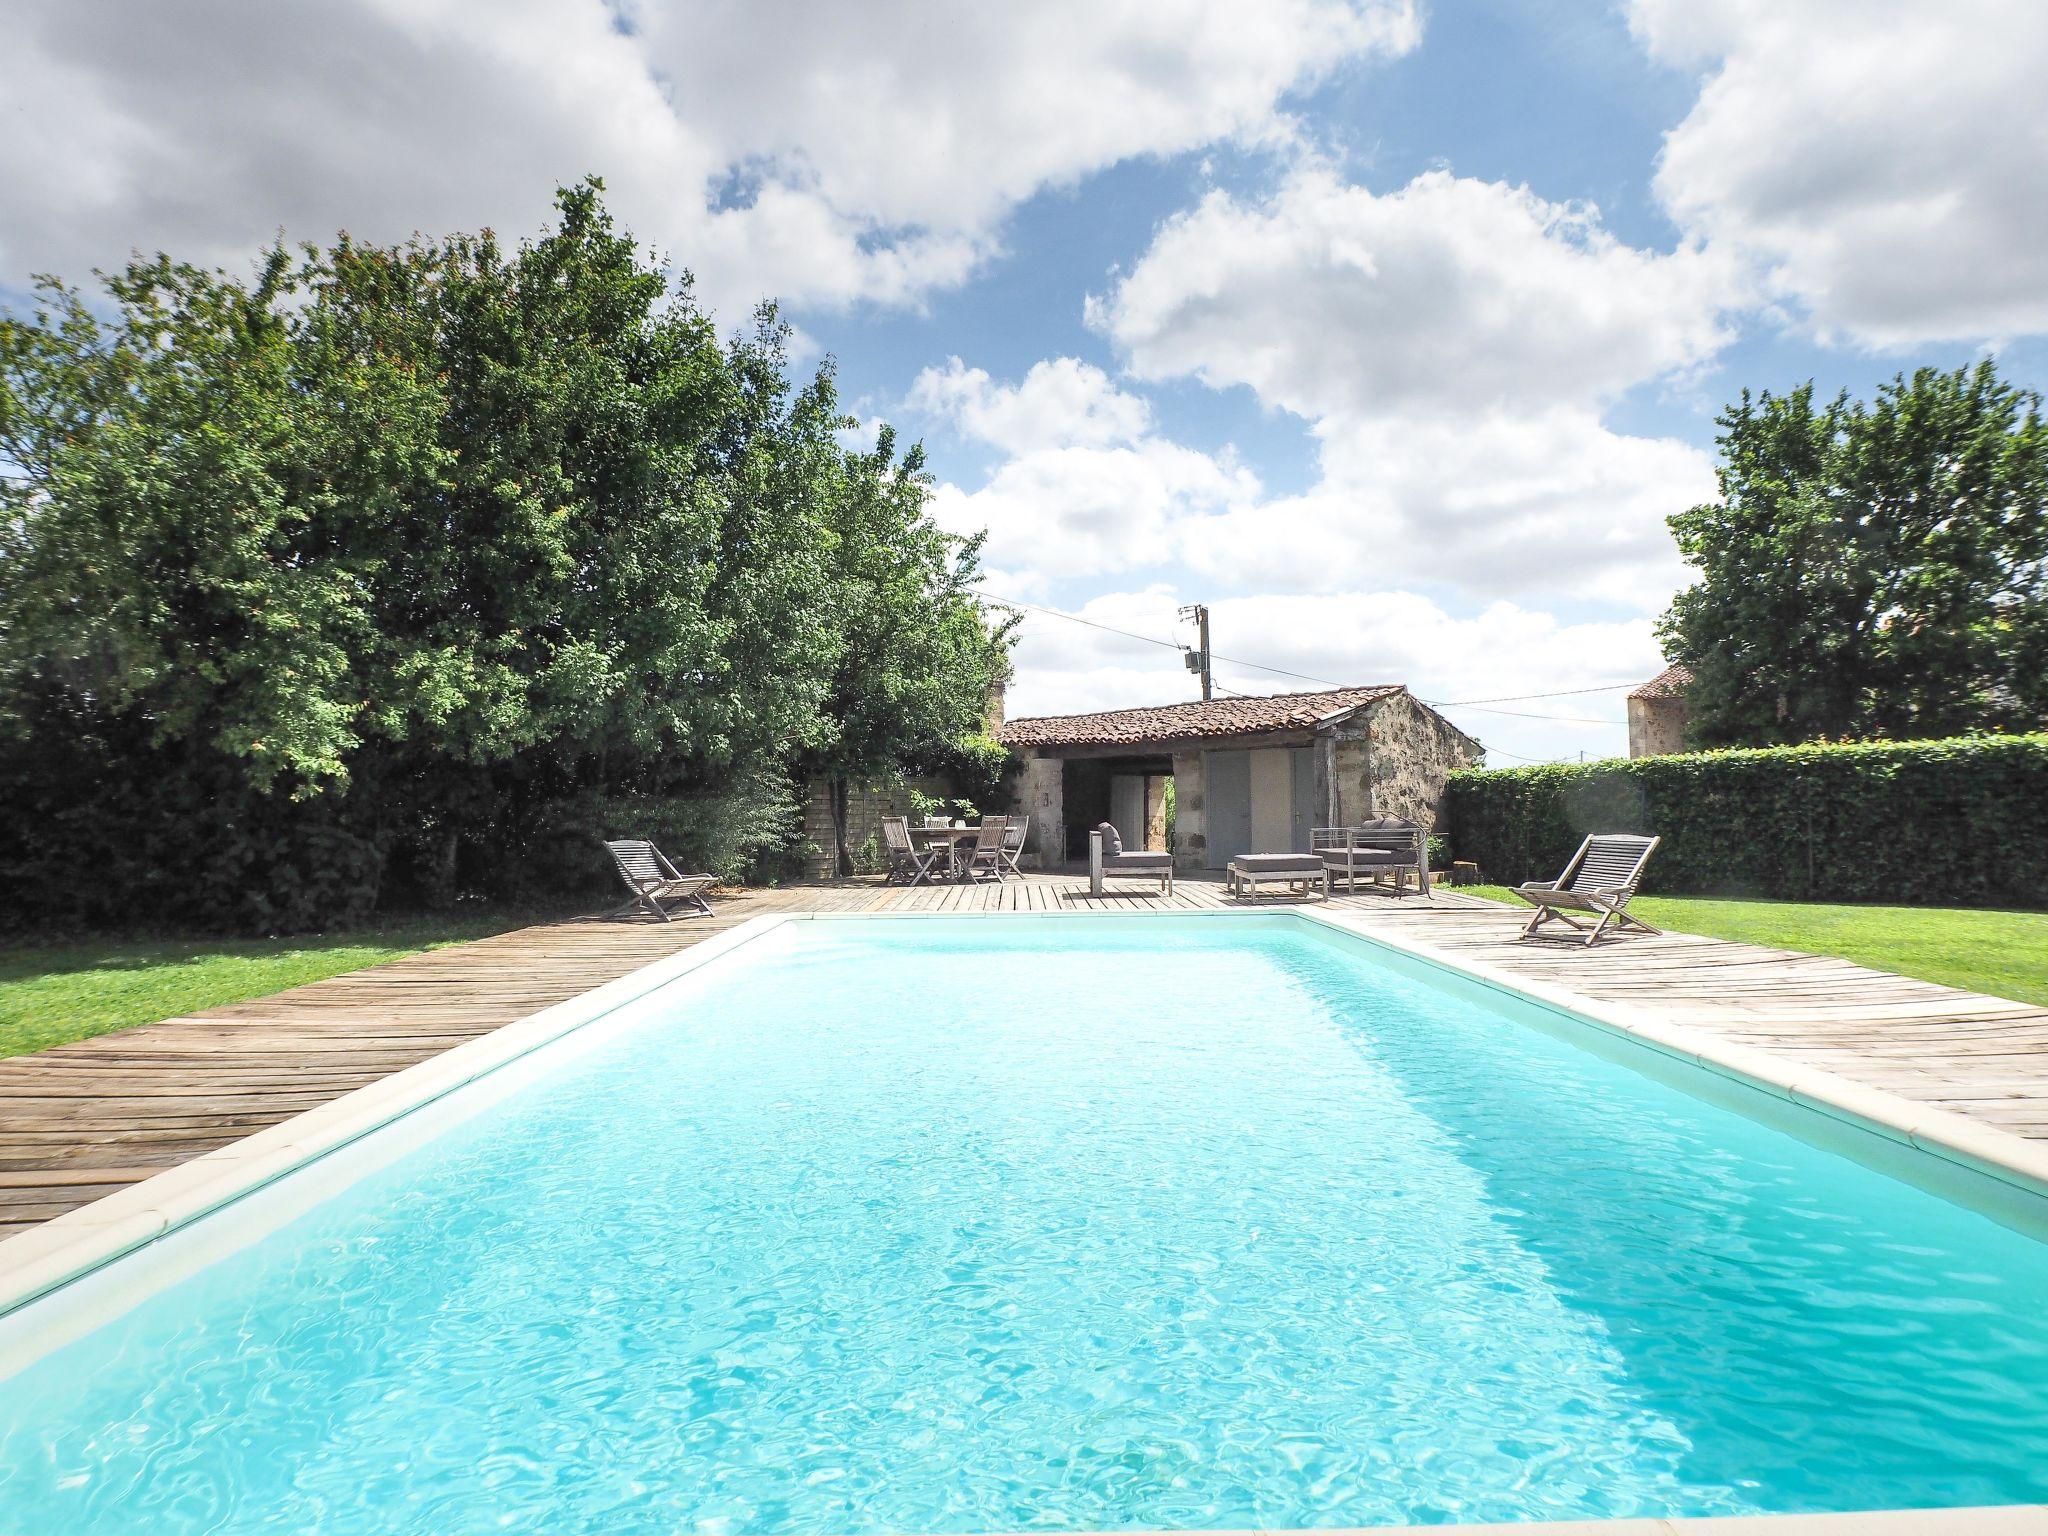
pixel 1658 713
pixel 1248 774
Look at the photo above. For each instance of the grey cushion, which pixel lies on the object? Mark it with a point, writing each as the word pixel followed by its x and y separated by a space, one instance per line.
pixel 1140 861
pixel 1280 863
pixel 1112 844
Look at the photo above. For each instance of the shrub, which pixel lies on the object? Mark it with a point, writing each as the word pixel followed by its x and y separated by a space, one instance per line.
pixel 978 767
pixel 1932 822
pixel 398 576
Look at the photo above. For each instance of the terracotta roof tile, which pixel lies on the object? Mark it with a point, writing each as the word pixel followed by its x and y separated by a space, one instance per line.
pixel 1186 722
pixel 1668 684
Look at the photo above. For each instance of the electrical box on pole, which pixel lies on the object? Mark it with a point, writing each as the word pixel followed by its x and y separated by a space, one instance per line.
pixel 1198 659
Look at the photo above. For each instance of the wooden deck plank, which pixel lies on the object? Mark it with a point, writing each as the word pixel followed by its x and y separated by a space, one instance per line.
pixel 81 1120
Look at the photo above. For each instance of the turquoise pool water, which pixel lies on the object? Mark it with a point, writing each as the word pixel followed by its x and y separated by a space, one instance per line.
pixel 984 1225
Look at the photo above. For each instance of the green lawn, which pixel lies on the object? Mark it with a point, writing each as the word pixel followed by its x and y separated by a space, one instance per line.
pixel 54 992
pixel 2003 953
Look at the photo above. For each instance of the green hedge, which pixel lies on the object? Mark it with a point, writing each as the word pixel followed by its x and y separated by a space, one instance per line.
pixel 1939 823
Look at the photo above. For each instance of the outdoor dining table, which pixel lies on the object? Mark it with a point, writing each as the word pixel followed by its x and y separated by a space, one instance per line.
pixel 954 837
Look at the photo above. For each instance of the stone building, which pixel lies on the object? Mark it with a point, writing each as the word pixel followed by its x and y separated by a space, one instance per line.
pixel 1657 714
pixel 1248 774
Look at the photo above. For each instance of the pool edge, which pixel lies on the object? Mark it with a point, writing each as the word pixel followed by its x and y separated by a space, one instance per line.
pixel 1977 1149
pixel 64 1248
pixel 49 1256
pixel 1969 1520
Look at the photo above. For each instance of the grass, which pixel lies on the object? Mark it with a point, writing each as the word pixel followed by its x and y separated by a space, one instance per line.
pixel 54 992
pixel 2003 953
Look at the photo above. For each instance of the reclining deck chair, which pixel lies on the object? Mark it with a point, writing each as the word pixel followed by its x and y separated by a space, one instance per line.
pixel 656 884
pixel 1600 878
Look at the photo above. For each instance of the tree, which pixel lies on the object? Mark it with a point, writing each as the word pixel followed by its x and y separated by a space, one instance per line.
pixel 917 663
pixel 1871 570
pixel 405 571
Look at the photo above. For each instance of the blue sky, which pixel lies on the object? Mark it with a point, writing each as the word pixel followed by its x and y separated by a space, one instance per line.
pixel 1391 331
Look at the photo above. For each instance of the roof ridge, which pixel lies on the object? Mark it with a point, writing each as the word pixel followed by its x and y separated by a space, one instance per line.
pixel 1671 681
pixel 1194 719
pixel 1239 698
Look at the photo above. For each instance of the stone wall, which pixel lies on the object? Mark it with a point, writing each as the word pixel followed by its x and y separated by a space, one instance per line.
pixel 1347 758
pixel 1040 795
pixel 866 805
pixel 1656 726
pixel 1414 751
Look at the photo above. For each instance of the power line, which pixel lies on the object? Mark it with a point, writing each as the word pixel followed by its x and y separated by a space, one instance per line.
pixel 1523 714
pixel 1516 698
pixel 1258 666
pixel 1172 645
pixel 1058 613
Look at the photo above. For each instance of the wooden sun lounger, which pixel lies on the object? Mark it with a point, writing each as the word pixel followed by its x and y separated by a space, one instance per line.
pixel 656 884
pixel 1600 879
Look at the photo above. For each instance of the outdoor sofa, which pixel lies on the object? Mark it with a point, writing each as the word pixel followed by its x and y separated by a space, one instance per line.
pixel 1107 857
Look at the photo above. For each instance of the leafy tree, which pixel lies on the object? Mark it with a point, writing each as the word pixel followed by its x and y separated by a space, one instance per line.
pixel 1871 570
pixel 917 664
pixel 405 571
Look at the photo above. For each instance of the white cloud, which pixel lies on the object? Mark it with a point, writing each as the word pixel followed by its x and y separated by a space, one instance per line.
pixel 1087 487
pixel 1543 504
pixel 1454 344
pixel 1883 160
pixel 921 113
pixel 1061 403
pixel 1057 513
pixel 827 155
pixel 1447 294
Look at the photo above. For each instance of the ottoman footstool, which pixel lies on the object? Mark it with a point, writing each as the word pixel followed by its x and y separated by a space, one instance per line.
pixel 1296 871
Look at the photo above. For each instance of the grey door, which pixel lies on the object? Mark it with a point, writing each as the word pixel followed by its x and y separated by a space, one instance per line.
pixel 1226 805
pixel 1304 817
pixel 1127 808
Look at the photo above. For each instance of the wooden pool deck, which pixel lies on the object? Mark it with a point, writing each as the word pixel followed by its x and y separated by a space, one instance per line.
pixel 83 1120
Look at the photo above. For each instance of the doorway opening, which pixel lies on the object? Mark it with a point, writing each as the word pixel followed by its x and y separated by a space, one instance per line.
pixel 1132 794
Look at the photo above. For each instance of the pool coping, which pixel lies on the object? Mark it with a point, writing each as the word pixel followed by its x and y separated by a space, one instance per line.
pixel 1973 1520
pixel 47 1257
pixel 1976 1149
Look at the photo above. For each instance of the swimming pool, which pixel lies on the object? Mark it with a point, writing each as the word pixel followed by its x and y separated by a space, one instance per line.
pixel 990 1224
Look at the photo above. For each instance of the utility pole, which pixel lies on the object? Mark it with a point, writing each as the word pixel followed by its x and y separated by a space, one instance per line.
pixel 1198 660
